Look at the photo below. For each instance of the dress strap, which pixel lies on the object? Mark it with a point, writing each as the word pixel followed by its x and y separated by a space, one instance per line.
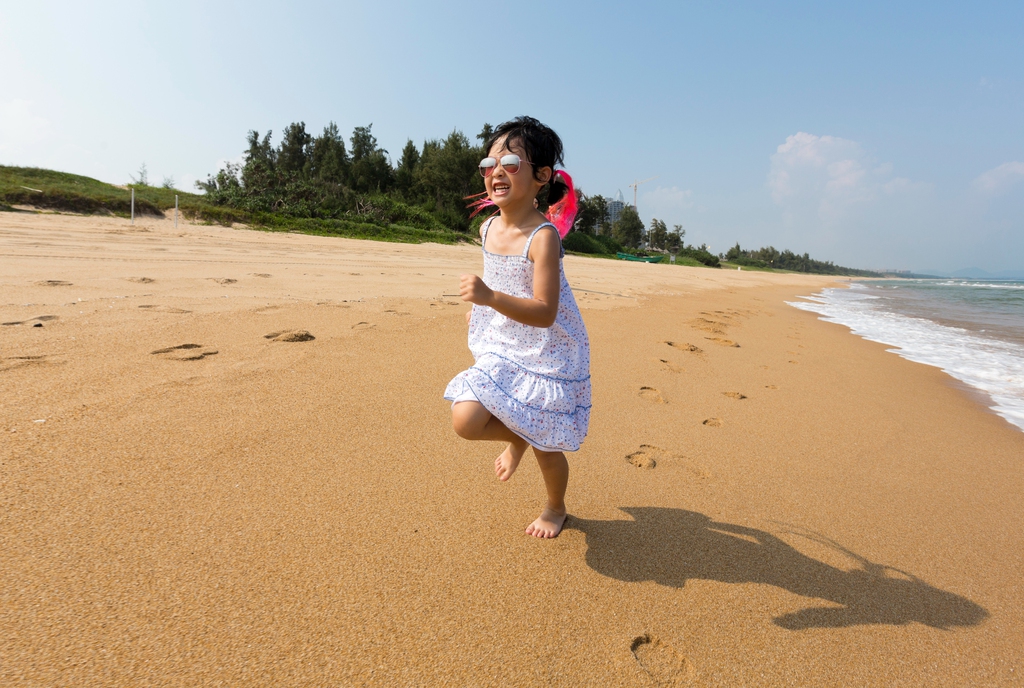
pixel 487 225
pixel 526 251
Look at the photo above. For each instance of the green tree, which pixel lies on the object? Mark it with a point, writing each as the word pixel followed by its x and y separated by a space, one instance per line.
pixel 657 234
pixel 328 159
pixel 260 162
pixel 629 228
pixel 447 174
pixel 674 241
pixel 604 224
pixel 226 181
pixel 406 170
pixel 142 179
pixel 590 214
pixel 294 153
pixel 370 170
pixel 484 136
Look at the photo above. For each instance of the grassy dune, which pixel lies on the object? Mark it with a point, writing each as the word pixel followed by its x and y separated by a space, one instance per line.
pixel 75 193
pixel 62 191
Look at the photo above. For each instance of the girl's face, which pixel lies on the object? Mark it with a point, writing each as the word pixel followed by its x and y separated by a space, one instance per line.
pixel 512 190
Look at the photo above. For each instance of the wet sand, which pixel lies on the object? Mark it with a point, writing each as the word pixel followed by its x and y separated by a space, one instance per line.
pixel 763 499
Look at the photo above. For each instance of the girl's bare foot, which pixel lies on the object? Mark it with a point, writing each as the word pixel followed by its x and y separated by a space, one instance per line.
pixel 507 463
pixel 548 524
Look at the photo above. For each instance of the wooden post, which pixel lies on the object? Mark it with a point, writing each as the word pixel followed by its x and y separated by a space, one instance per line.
pixel 133 207
pixel 175 211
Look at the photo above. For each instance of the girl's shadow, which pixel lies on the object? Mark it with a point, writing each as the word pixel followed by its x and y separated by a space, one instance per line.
pixel 672 546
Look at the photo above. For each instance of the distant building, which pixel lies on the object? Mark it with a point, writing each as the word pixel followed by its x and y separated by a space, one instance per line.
pixel 615 207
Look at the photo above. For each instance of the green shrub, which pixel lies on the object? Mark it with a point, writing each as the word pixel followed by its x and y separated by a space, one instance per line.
pixel 354 229
pixel 386 210
pixel 589 243
pixel 582 243
pixel 611 245
pixel 751 262
pixel 701 255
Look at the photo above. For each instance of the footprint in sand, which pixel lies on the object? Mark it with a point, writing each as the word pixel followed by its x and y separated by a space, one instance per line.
pixel 671 366
pixel 362 325
pixel 185 352
pixel 222 280
pixel 713 422
pixel 394 312
pixel 164 309
pixel 261 274
pixel 723 342
pixel 141 280
pixel 53 283
pixel 771 387
pixel 735 395
pixel 290 336
pixel 647 457
pixel 652 395
pixel 662 664
pixel 685 347
pixel 708 325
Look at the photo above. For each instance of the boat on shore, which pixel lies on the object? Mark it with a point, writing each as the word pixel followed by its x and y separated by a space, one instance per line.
pixel 640 259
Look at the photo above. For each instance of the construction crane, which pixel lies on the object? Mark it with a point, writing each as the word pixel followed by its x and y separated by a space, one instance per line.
pixel 635 184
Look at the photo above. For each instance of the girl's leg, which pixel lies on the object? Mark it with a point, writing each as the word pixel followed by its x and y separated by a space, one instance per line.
pixel 555 469
pixel 474 422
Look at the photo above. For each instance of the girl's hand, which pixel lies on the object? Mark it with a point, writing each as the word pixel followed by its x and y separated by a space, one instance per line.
pixel 542 309
pixel 473 289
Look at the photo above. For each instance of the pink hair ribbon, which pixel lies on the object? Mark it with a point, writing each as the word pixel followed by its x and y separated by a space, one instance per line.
pixel 563 212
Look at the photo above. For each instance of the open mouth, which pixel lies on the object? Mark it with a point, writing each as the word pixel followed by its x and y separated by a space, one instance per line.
pixel 501 189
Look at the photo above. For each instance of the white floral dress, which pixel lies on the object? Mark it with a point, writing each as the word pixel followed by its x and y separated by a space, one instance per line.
pixel 535 380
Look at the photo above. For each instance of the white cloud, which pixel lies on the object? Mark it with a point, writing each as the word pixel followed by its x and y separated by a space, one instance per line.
pixel 20 129
pixel 1000 179
pixel 665 203
pixel 827 177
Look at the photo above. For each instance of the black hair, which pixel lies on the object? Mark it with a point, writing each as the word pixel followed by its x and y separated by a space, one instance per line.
pixel 541 144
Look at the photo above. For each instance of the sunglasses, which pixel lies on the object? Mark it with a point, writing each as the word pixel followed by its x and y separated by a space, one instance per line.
pixel 510 163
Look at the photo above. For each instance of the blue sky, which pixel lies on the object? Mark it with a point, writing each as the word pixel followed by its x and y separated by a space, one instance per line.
pixel 880 135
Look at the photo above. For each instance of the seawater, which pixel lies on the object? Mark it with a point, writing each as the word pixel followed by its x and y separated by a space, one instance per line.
pixel 971 329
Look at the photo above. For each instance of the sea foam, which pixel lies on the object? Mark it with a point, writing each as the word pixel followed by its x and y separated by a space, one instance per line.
pixel 994 366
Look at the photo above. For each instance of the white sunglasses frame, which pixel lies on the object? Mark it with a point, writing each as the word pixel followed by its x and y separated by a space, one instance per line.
pixel 500 161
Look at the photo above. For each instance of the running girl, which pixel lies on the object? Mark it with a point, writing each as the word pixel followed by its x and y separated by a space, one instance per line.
pixel 530 385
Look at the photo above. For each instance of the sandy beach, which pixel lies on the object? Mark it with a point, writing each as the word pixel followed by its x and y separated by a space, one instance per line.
pixel 226 461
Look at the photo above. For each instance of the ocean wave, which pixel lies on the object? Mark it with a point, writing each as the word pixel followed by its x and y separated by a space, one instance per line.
pixel 982 285
pixel 991 365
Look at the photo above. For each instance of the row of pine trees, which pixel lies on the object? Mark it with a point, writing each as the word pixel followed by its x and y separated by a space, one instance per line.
pixel 321 177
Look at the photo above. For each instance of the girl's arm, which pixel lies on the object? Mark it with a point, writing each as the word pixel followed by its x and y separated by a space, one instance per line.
pixel 540 311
